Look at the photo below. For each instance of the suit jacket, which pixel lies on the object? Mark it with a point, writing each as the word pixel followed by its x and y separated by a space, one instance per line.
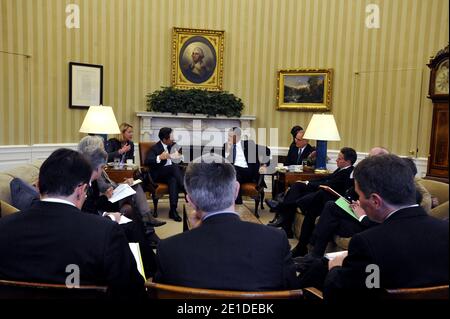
pixel 38 244
pixel 410 249
pixel 227 253
pixel 255 156
pixel 96 203
pixel 112 148
pixel 153 153
pixel 339 181
pixel 292 156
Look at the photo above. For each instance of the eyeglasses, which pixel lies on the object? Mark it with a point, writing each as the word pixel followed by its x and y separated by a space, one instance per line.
pixel 86 189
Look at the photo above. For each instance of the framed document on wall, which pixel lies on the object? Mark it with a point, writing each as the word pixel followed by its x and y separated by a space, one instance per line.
pixel 85 85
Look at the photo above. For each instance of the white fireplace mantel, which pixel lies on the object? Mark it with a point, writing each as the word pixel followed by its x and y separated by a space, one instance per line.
pixel 192 129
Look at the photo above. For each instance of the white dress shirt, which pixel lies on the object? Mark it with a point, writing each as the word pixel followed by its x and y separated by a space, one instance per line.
pixel 158 159
pixel 57 200
pixel 240 157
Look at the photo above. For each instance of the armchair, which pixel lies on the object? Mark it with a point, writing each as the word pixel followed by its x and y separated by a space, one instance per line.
pixel 157 190
pixel 10 289
pixel 424 293
pixel 163 291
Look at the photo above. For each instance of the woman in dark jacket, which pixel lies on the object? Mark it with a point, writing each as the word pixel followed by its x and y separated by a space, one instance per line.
pixel 123 146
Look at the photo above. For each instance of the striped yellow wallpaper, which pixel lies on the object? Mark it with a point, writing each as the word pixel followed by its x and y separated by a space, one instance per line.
pixel 380 76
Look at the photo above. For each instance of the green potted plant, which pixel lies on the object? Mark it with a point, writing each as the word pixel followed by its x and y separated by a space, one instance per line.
pixel 194 101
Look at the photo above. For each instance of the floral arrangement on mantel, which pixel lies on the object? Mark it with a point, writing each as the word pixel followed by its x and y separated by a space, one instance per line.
pixel 194 101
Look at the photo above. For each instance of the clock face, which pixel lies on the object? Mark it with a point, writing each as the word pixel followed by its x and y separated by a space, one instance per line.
pixel 441 80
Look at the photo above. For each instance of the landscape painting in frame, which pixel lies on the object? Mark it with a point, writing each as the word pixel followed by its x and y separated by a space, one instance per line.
pixel 304 89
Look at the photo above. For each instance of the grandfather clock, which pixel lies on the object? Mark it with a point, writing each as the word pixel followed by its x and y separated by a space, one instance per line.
pixel 438 93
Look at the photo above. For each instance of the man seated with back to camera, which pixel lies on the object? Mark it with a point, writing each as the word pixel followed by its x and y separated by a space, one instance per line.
pixel 332 218
pixel 40 243
pixel 248 158
pixel 335 221
pixel 408 247
pixel 163 159
pixel 221 251
pixel 310 198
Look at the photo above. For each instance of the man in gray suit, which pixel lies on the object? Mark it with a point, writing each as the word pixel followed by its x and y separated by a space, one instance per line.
pixel 223 252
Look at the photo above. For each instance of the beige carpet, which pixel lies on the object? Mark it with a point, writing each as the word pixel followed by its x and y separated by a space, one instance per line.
pixel 172 227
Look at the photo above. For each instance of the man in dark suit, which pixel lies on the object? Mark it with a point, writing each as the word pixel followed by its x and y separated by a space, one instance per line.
pixel 408 249
pixel 223 252
pixel 162 160
pixel 311 199
pixel 335 221
pixel 249 159
pixel 44 242
pixel 300 149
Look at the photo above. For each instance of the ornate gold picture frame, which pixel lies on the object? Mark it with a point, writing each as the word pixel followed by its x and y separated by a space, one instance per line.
pixel 304 89
pixel 197 59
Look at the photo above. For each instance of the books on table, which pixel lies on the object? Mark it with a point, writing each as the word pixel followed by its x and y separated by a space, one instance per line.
pixel 120 192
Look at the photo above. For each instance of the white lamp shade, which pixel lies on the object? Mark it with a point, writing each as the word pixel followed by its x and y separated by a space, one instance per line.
pixel 100 120
pixel 323 128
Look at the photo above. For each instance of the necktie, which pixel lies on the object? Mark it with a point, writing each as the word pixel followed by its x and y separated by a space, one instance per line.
pixel 234 153
pixel 299 155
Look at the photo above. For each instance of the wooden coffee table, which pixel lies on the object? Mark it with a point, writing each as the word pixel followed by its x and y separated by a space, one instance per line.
pixel 244 213
pixel 283 180
pixel 118 175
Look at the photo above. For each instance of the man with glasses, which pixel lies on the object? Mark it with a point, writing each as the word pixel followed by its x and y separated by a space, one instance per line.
pixel 299 149
pixel 40 243
pixel 311 198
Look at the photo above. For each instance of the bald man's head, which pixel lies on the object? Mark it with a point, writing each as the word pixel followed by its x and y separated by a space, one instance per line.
pixel 378 150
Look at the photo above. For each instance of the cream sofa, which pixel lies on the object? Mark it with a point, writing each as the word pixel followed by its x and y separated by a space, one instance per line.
pixel 437 189
pixel 27 172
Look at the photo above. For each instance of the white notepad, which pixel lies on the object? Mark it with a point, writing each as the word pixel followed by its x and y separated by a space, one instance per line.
pixel 134 247
pixel 121 191
pixel 331 256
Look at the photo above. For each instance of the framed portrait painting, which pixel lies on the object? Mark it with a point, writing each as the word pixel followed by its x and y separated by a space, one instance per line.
pixel 304 89
pixel 197 59
pixel 85 85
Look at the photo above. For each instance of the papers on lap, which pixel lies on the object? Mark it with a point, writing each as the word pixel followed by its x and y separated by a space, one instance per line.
pixel 134 247
pixel 345 205
pixel 136 181
pixel 121 191
pixel 331 256
pixel 341 201
pixel 122 220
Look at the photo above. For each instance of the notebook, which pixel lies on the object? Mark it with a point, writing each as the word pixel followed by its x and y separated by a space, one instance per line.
pixel 134 247
pixel 120 192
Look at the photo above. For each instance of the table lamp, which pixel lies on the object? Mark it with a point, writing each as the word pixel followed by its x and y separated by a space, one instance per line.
pixel 100 120
pixel 322 128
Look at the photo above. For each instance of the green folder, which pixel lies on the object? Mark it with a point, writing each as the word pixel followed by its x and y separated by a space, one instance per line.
pixel 345 205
